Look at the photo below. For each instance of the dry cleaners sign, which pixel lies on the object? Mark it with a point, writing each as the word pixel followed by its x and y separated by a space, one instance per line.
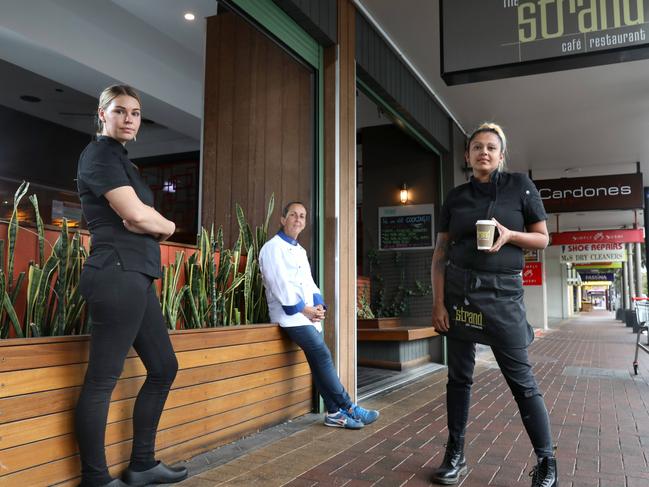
pixel 535 36
pixel 593 252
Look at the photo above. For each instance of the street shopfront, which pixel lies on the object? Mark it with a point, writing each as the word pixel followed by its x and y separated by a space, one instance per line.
pixel 267 108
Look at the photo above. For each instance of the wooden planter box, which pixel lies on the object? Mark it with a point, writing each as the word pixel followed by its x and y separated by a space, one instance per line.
pixel 232 381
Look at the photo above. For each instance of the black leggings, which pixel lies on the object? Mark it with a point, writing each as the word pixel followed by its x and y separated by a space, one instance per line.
pixel 125 311
pixel 515 366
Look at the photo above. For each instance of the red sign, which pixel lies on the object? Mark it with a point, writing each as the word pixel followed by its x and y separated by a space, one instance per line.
pixel 533 274
pixel 597 236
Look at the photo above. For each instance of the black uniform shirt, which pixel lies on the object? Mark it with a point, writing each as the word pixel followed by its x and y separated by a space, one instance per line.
pixel 516 204
pixel 104 165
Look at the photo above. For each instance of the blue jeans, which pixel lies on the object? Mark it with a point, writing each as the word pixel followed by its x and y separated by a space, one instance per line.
pixel 317 354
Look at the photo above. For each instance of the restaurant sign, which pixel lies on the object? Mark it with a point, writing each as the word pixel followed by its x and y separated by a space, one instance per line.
pixel 598 236
pixel 492 39
pixel 595 252
pixel 611 192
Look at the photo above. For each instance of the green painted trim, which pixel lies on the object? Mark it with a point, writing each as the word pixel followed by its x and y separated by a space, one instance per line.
pixel 320 168
pixel 383 104
pixel 284 28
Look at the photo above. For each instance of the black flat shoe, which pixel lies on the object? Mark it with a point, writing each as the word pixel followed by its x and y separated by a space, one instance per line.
pixel 160 474
pixel 112 483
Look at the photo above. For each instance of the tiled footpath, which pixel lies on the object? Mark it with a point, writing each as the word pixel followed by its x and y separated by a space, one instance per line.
pixel 599 412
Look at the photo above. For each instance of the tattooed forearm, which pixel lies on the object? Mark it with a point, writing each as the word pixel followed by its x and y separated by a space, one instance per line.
pixel 440 258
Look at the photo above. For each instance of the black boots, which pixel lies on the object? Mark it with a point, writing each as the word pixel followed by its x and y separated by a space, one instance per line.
pixel 544 474
pixel 454 464
pixel 458 400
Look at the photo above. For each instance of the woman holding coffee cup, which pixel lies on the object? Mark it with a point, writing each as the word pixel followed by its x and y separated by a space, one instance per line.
pixel 478 294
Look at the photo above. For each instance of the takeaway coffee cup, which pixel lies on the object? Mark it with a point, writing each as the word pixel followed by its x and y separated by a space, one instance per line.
pixel 485 230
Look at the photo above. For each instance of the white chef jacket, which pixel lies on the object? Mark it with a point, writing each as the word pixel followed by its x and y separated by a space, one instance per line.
pixel 287 278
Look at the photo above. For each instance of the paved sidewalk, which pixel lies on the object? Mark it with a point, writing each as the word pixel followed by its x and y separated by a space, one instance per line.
pixel 598 408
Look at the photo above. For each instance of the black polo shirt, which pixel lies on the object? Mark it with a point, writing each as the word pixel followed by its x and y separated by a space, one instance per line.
pixel 104 165
pixel 516 204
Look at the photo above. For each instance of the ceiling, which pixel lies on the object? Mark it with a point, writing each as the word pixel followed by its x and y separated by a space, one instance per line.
pixel 64 52
pixel 582 122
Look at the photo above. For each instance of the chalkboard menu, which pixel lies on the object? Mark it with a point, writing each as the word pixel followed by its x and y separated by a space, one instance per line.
pixel 406 227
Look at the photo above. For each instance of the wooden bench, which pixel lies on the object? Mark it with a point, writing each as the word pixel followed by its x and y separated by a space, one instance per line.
pixel 395 347
pixel 401 333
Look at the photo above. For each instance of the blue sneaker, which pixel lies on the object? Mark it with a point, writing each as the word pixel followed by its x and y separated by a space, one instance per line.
pixel 342 419
pixel 366 416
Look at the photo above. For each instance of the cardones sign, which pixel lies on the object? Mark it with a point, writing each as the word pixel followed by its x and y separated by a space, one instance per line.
pixel 612 192
pixel 491 39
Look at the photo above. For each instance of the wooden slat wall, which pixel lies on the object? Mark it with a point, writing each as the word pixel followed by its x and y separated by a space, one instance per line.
pixel 347 135
pixel 258 127
pixel 231 381
pixel 329 188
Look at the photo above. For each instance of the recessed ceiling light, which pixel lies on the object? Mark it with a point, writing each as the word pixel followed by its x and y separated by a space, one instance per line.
pixel 189 16
pixel 30 98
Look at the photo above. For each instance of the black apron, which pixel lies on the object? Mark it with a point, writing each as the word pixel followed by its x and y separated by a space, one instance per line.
pixel 486 307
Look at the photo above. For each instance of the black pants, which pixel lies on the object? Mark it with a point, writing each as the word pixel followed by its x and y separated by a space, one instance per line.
pixel 515 366
pixel 125 311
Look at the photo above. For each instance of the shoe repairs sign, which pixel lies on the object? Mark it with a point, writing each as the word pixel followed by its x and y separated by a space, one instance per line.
pixel 493 39
pixel 593 252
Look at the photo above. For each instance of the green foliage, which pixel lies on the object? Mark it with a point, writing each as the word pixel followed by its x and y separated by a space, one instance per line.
pixel 54 305
pixel 170 296
pixel 220 289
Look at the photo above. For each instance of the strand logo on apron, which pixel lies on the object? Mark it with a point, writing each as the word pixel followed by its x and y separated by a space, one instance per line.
pixel 468 316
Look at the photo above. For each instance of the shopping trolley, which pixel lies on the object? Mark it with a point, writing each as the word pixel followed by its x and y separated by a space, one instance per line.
pixel 642 317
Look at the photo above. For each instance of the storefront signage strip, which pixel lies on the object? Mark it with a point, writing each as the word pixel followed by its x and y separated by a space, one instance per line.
pixel 607 276
pixel 588 253
pixel 598 236
pixel 601 265
pixel 612 192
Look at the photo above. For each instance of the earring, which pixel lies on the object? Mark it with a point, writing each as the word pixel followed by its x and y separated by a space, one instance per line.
pixel 135 138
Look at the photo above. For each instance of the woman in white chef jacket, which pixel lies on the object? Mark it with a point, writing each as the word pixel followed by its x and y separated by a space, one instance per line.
pixel 295 302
